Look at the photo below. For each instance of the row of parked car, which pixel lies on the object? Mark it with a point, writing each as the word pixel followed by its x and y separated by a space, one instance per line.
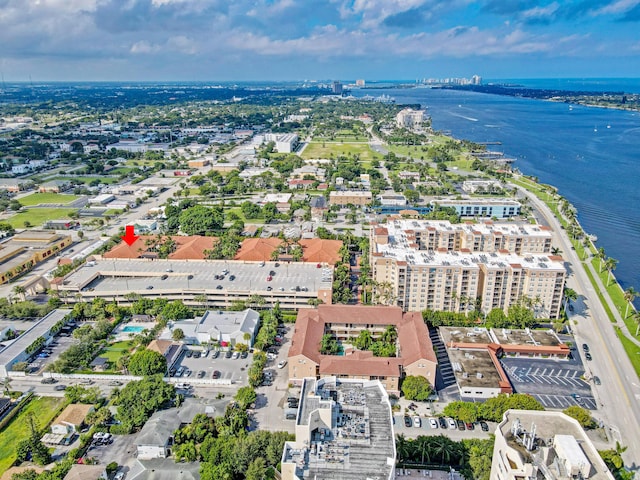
pixel 444 423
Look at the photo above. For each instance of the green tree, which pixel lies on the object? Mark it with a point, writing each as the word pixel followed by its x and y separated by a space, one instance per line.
pixel 177 334
pixel 245 397
pixel 582 415
pixel 257 469
pixel 147 362
pixel 630 294
pixel 176 310
pixel 465 411
pixel 138 400
pixel 200 220
pixel 416 388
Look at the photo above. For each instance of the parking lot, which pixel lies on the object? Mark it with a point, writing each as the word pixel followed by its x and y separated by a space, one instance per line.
pixel 59 345
pixel 425 429
pixel 272 399
pixel 229 368
pixel 554 383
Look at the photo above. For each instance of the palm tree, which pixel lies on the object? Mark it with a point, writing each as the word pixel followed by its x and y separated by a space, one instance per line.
pixel 6 383
pixel 610 265
pixel 403 448
pixel 555 251
pixel 423 447
pixel 635 316
pixel 570 295
pixel 630 294
pixel 21 291
pixel 602 256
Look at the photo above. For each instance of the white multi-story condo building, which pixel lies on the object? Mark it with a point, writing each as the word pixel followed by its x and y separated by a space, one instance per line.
pixel 533 445
pixel 422 265
pixel 409 118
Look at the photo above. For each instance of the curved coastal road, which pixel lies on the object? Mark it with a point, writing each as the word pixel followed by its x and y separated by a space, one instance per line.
pixel 619 394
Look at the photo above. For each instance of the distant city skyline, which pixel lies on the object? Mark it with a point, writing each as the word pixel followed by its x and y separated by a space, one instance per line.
pixel 243 40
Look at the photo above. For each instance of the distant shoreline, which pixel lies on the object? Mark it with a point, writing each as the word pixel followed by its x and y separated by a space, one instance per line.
pixel 611 100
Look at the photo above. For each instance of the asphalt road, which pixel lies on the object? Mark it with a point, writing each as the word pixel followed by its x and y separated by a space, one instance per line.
pixel 619 394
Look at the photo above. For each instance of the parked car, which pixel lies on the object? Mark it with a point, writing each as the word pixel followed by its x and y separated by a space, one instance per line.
pixel 117 383
pixel 235 356
pixel 596 380
pixel 470 426
pixel 48 380
pixel 433 423
pixel 460 425
pixel 228 354
pixel 197 354
pixel 189 353
pixel 282 364
pixel 215 354
pixel 484 426
pixel 201 374
pixel 417 422
pixel 407 421
pixel 215 374
pixel 452 423
pixel 588 356
pixel 244 354
pixel 443 422
pixel 585 347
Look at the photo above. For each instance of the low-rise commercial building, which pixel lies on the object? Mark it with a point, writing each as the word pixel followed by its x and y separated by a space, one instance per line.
pixel 344 431
pixel 284 143
pixel 226 328
pixel 16 350
pixel 484 207
pixel 414 352
pixel 474 354
pixel 350 197
pixel 531 445
pixel 20 253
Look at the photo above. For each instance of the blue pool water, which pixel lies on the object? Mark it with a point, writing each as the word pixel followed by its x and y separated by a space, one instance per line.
pixel 132 329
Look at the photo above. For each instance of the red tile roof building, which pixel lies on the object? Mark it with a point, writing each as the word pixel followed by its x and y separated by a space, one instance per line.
pixel 415 352
pixel 186 247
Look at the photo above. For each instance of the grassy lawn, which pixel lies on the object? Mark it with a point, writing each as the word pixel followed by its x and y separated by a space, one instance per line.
pixel 336 149
pixel 37 216
pixel 114 351
pixel 633 351
pixel 88 180
pixel 39 198
pixel 43 409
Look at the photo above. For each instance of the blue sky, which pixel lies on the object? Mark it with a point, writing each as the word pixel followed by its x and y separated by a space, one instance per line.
pixel 317 39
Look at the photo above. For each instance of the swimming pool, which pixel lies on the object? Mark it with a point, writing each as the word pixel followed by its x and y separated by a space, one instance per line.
pixel 132 329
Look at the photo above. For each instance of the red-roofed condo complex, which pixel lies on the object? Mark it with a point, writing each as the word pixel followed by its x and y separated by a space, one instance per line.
pixel 413 350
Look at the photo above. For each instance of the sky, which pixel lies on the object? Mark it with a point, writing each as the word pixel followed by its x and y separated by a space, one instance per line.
pixel 226 40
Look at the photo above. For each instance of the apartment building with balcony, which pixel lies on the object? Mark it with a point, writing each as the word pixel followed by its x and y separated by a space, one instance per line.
pixel 438 266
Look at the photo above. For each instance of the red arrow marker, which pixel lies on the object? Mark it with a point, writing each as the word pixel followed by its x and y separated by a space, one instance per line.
pixel 129 235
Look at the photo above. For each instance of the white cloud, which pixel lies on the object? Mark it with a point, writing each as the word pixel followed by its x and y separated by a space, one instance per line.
pixel 617 7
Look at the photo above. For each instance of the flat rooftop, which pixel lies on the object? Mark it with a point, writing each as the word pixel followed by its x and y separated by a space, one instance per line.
pixel 548 424
pixel 399 226
pixel 38 329
pixel 474 368
pixel 401 249
pixel 361 438
pixel 543 338
pixel 474 335
pixel 130 275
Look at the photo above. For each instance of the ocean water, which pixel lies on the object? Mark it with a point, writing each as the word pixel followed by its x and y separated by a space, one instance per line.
pixel 591 154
